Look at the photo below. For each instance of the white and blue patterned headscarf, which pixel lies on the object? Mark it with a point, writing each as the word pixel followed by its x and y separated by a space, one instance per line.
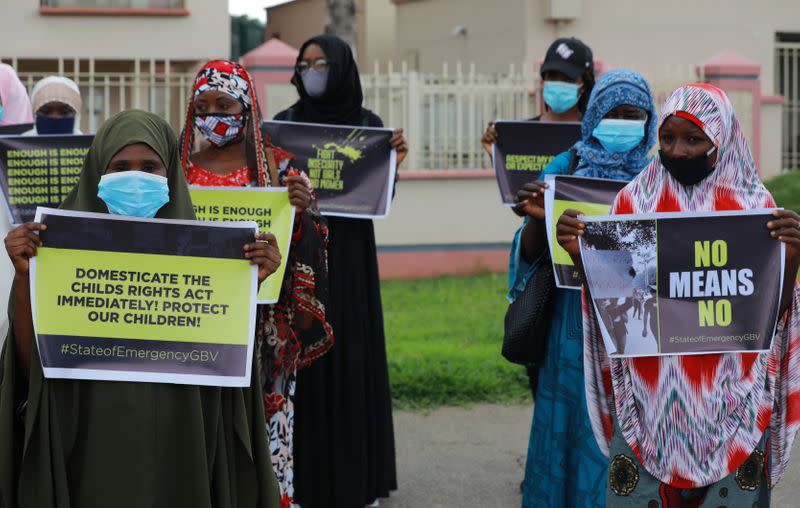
pixel 615 88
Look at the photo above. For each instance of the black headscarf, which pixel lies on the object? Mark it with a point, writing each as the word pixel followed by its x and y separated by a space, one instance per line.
pixel 341 102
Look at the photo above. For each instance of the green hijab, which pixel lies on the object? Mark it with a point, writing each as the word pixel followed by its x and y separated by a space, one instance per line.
pixel 95 444
pixel 119 131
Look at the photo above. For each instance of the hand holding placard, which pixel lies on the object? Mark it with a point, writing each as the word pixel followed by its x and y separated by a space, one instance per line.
pixel 531 199
pixel 264 253
pixel 568 229
pixel 786 228
pixel 398 143
pixel 489 138
pixel 22 243
pixel 299 189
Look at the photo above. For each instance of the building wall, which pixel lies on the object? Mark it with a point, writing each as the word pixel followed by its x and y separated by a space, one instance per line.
pixel 494 37
pixel 379 33
pixel 659 38
pixel 668 38
pixel 204 33
pixel 446 208
pixel 295 22
pixel 445 223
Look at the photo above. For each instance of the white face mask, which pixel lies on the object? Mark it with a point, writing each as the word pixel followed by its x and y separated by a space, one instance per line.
pixel 315 82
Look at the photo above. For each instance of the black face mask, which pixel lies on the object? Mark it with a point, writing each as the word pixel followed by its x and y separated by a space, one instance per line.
pixel 687 171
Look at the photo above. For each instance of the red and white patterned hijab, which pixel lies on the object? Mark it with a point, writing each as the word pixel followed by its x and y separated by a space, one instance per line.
pixel 733 185
pixel 692 420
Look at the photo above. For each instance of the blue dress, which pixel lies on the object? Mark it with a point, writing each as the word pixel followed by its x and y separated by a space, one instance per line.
pixel 565 467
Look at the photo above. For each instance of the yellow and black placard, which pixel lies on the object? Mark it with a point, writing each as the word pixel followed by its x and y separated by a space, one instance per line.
pixel 39 171
pixel 144 299
pixel 268 207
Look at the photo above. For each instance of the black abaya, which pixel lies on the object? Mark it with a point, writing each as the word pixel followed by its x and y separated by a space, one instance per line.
pixel 343 436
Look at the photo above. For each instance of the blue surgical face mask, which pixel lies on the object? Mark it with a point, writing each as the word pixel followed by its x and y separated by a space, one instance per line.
pixel 315 82
pixel 133 193
pixel 618 135
pixel 560 96
pixel 50 125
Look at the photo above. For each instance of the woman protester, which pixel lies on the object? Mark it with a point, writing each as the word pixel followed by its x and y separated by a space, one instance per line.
pixel 568 77
pixel 564 465
pixel 15 108
pixel 698 430
pixel 56 104
pixel 97 443
pixel 292 333
pixel 344 437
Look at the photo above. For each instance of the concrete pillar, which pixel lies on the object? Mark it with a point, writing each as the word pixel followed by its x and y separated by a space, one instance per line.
pixel 740 78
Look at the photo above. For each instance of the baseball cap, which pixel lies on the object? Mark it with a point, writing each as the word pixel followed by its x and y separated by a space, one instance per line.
pixel 570 56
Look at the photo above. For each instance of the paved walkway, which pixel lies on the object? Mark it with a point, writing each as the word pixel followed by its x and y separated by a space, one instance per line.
pixel 475 457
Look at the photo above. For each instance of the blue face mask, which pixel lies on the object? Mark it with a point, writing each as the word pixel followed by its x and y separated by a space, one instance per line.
pixel 133 193
pixel 2 112
pixel 49 125
pixel 560 96
pixel 619 136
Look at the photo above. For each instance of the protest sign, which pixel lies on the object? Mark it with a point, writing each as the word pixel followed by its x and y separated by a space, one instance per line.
pixel 268 207
pixel 151 300
pixel 15 129
pixel 592 196
pixel 524 149
pixel 684 283
pixel 39 171
pixel 352 169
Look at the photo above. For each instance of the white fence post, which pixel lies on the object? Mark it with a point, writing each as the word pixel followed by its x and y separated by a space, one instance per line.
pixel 413 129
pixel 92 112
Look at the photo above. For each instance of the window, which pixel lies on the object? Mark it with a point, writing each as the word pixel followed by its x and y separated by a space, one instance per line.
pixel 787 83
pixel 111 7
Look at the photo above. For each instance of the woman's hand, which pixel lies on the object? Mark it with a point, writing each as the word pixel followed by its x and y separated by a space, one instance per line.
pixel 786 228
pixel 489 138
pixel 398 142
pixel 299 191
pixel 530 200
pixel 264 253
pixel 568 229
pixel 22 244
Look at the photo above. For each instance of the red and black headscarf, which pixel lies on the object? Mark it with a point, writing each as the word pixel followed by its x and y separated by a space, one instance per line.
pixel 233 79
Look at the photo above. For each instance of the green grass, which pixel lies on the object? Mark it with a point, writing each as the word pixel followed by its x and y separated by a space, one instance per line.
pixel 443 339
pixel 785 189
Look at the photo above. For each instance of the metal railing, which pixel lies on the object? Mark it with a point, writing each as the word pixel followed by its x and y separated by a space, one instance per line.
pixel 787 83
pixel 444 114
pixel 151 85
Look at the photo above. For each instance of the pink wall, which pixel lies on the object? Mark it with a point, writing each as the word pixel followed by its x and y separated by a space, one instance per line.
pixel 272 62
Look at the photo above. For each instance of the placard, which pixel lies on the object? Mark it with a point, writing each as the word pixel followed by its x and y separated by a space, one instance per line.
pixel 150 300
